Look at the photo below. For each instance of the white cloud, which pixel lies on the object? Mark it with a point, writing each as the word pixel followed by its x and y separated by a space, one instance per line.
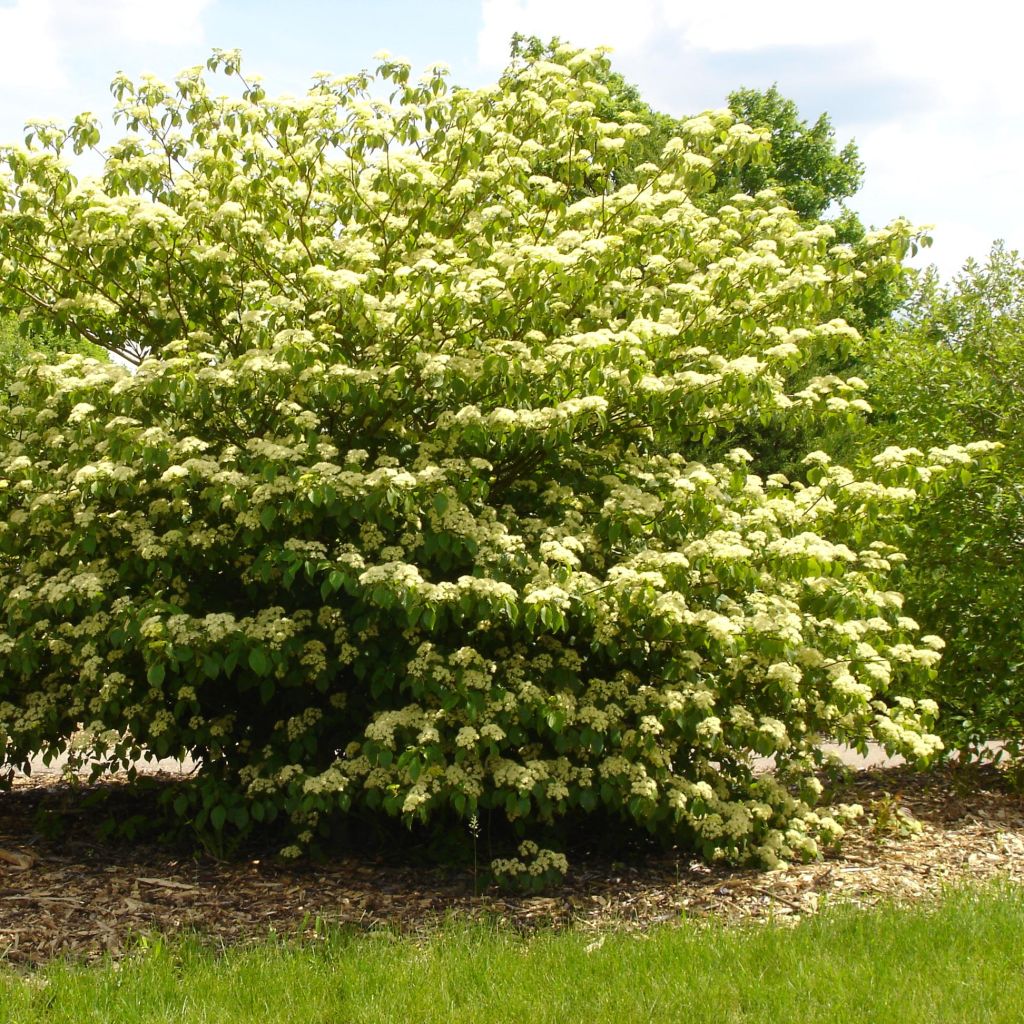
pixel 961 54
pixel 29 51
pixel 957 58
pixel 932 94
pixel 166 22
pixel 57 56
pixel 942 170
pixel 38 37
pixel 740 27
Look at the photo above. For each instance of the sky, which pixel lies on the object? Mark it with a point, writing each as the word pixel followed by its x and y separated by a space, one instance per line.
pixel 931 94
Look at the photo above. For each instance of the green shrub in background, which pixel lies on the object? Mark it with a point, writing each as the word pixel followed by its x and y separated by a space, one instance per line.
pixel 17 347
pixel 952 367
pixel 410 508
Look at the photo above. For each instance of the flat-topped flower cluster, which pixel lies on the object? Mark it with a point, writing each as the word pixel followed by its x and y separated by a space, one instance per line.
pixel 424 498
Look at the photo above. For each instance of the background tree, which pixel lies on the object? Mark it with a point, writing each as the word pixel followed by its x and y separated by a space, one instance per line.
pixel 952 366
pixel 18 346
pixel 805 163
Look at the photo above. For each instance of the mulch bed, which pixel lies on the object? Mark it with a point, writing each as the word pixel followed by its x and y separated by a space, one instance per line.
pixel 76 896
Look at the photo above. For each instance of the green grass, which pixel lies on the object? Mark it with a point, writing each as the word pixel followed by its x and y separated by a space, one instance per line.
pixel 959 960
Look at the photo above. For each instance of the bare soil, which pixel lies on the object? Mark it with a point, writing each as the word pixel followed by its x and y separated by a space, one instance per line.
pixel 72 894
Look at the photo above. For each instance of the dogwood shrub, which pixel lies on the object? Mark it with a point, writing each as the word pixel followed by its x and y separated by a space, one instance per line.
pixel 420 498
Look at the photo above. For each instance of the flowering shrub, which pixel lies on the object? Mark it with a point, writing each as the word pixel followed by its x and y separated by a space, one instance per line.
pixel 422 499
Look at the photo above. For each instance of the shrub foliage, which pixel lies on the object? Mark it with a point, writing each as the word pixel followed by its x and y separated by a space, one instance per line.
pixel 953 367
pixel 18 347
pixel 420 498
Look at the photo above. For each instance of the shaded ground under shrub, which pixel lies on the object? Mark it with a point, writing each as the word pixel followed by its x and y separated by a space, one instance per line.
pixel 64 890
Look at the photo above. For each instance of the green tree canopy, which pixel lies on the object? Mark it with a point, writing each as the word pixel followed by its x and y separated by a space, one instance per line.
pixel 805 164
pixel 17 347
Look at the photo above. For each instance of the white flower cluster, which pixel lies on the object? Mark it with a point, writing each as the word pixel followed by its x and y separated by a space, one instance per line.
pixel 532 860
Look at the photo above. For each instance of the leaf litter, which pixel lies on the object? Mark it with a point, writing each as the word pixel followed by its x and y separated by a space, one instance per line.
pixel 73 896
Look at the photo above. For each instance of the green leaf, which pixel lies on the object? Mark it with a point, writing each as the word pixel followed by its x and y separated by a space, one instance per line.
pixel 259 662
pixel 555 720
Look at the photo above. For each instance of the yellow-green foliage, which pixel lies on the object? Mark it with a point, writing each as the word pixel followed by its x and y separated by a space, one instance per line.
pixel 953 368
pixel 410 507
pixel 16 349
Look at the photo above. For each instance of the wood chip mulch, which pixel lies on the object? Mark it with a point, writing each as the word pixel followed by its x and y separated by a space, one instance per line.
pixel 75 896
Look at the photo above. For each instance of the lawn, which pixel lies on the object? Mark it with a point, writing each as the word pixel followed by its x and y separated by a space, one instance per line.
pixel 958 959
